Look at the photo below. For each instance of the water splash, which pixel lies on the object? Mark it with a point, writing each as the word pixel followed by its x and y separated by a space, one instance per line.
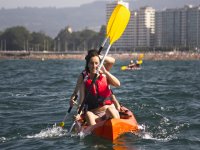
pixel 6 139
pixel 141 127
pixel 21 95
pixel 2 139
pixel 144 134
pixel 55 131
pixel 83 134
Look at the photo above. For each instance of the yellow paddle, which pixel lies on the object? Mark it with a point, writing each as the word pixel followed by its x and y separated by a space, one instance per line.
pixel 123 68
pixel 139 62
pixel 108 28
pixel 62 124
pixel 119 18
pixel 140 57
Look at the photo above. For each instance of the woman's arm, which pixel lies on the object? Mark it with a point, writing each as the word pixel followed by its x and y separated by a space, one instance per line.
pixel 78 84
pixel 82 94
pixel 81 98
pixel 116 103
pixel 112 80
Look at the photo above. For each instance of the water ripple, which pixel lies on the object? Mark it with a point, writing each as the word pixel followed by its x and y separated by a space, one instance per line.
pixel 164 96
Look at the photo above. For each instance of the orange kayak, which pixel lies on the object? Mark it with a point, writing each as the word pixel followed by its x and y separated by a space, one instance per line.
pixel 113 128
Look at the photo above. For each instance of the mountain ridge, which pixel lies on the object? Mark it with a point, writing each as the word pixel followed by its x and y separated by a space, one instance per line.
pixel 51 20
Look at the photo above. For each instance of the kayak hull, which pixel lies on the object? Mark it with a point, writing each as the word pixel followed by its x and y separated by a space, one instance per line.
pixel 113 128
pixel 124 68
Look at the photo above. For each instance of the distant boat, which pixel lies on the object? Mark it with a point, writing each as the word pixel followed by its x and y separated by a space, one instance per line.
pixel 123 68
pixel 134 66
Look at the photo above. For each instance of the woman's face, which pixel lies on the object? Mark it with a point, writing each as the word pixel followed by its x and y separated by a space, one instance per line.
pixel 93 64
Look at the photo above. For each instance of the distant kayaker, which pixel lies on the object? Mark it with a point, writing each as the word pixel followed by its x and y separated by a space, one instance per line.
pixel 135 65
pixel 131 64
pixel 99 102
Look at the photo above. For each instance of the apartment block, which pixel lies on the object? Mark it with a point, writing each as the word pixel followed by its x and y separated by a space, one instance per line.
pixel 178 28
pixel 140 30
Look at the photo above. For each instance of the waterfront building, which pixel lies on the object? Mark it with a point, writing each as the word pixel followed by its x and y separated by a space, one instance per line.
pixel 168 28
pixel 178 28
pixel 140 30
pixel 146 27
pixel 192 23
pixel 125 41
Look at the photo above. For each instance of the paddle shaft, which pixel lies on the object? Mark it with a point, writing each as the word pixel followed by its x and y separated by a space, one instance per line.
pixel 102 45
pixel 102 61
pixel 82 104
pixel 70 108
pixel 70 130
pixel 116 28
pixel 94 79
pixel 84 100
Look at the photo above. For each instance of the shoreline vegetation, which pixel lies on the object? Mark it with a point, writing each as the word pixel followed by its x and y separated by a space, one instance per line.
pixel 80 55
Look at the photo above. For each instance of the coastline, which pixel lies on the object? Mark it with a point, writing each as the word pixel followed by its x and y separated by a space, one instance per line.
pixel 172 55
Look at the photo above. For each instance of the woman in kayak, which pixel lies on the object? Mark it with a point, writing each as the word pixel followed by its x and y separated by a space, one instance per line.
pixel 108 63
pixel 99 102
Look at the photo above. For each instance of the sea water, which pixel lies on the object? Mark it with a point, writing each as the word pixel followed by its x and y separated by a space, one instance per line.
pixel 34 96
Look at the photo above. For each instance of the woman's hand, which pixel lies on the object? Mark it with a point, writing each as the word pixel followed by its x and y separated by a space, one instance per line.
pixel 111 78
pixel 108 62
pixel 72 101
pixel 103 70
pixel 77 117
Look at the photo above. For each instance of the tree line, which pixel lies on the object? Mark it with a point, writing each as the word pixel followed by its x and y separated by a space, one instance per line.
pixel 19 38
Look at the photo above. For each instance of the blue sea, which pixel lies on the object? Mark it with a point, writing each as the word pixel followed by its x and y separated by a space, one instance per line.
pixel 34 96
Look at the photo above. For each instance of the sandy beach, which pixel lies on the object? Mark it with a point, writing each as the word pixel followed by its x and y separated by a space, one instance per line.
pixel 173 55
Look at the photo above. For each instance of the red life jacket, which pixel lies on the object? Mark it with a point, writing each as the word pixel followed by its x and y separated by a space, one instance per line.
pixel 99 94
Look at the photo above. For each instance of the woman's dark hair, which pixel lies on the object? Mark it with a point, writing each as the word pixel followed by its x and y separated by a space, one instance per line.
pixel 91 53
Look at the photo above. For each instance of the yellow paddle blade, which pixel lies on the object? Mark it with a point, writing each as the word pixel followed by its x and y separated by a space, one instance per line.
pixel 111 20
pixel 61 124
pixel 119 23
pixel 139 62
pixel 141 56
pixel 123 67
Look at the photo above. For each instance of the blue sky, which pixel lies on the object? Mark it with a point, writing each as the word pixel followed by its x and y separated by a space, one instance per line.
pixel 42 3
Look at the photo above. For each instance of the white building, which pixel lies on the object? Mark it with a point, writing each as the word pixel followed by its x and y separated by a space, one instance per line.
pixel 124 42
pixel 171 29
pixel 140 30
pixel 146 27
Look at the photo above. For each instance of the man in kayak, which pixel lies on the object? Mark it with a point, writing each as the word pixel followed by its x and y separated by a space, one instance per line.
pixel 138 63
pixel 131 64
pixel 99 102
pixel 108 63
